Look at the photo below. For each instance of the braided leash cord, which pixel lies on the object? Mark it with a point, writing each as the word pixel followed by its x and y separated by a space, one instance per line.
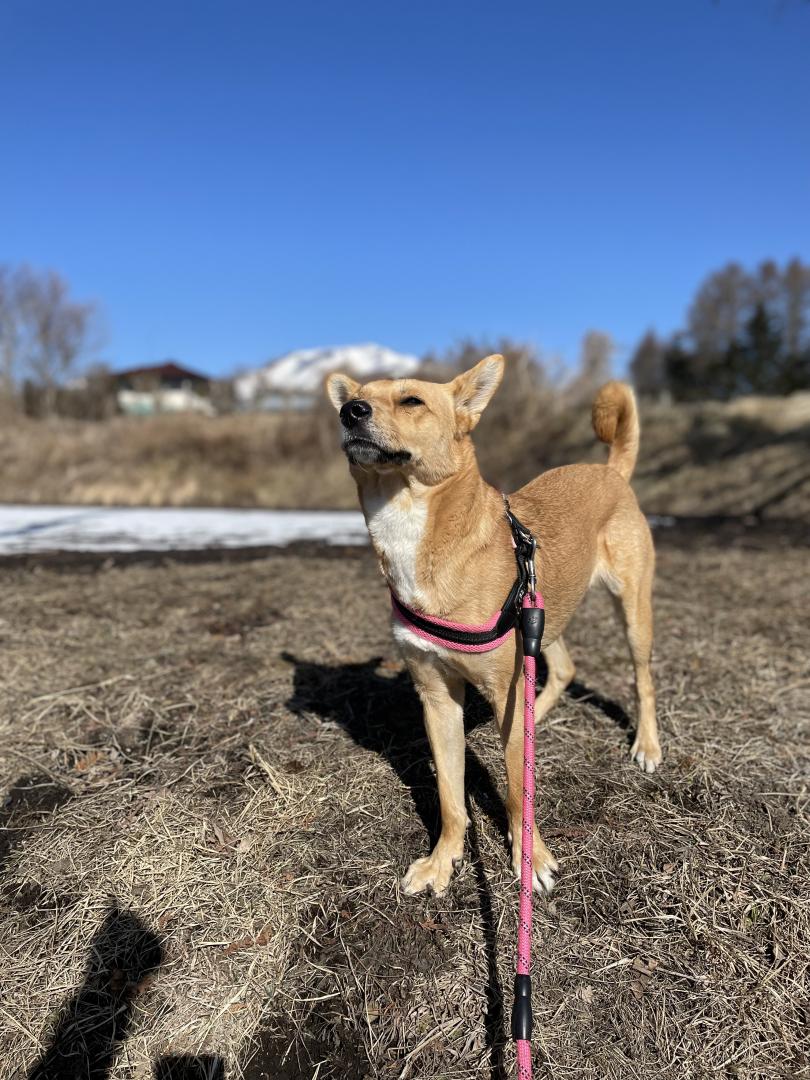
pixel 524 951
pixel 522 1018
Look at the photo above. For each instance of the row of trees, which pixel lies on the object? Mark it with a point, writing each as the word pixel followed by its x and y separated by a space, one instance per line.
pixel 746 333
pixel 528 373
pixel 44 334
pixel 535 403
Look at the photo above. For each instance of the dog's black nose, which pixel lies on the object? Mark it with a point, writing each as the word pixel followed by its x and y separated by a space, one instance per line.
pixel 353 412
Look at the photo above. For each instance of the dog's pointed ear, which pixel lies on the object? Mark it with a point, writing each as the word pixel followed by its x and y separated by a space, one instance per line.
pixel 473 389
pixel 341 389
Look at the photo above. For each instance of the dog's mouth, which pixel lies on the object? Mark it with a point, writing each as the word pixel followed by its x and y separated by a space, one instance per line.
pixel 363 451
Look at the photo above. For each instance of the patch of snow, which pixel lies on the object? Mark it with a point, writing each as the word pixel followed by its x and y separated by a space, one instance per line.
pixel 36 529
pixel 30 529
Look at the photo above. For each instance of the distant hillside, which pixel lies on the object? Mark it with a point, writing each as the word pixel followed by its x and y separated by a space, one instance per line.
pixel 751 456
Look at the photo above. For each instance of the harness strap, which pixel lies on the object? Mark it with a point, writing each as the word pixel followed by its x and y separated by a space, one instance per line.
pixel 495 631
pixel 457 636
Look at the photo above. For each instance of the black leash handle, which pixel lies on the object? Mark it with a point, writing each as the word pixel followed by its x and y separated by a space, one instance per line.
pixel 522 1018
pixel 532 623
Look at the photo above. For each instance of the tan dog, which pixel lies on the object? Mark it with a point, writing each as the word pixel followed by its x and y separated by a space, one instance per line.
pixel 445 548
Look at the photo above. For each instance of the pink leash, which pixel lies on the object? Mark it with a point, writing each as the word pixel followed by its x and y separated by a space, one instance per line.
pixel 532 618
pixel 531 625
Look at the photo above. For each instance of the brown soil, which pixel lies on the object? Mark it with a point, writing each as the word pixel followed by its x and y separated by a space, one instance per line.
pixel 215 772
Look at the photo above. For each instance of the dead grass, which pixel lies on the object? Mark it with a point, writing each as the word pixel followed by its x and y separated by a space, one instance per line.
pixel 215 774
pixel 748 457
pixel 245 460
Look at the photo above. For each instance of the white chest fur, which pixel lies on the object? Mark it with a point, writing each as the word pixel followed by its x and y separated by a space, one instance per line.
pixel 396 523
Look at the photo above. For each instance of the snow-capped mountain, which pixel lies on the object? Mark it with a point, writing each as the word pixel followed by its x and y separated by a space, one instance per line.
pixel 301 373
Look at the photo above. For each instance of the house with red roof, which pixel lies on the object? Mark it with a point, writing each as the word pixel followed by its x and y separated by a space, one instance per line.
pixel 163 388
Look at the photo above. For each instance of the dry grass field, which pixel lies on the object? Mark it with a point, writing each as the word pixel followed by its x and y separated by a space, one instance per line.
pixel 751 456
pixel 214 773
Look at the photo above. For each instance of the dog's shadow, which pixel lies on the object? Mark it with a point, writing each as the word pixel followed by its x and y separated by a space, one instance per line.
pixel 378 707
pixel 583 694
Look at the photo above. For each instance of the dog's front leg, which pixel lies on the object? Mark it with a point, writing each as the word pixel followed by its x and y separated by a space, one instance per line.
pixel 442 696
pixel 508 707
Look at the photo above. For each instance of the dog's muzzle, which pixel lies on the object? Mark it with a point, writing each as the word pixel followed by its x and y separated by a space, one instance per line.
pixel 360 442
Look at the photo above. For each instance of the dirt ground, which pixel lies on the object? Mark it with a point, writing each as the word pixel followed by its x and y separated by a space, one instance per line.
pixel 214 773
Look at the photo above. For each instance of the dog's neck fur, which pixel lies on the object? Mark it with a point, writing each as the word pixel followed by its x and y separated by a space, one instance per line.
pixel 428 536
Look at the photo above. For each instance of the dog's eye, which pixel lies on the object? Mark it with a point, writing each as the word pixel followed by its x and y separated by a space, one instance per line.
pixel 411 401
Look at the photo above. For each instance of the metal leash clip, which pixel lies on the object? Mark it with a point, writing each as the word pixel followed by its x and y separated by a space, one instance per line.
pixel 525 549
pixel 532 572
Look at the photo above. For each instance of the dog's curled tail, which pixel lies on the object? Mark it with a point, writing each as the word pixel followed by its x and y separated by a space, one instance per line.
pixel 615 421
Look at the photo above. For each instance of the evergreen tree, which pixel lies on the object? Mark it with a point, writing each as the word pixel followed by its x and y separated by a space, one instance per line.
pixel 748 333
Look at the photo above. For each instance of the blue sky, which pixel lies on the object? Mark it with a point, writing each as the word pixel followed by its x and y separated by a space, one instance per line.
pixel 234 180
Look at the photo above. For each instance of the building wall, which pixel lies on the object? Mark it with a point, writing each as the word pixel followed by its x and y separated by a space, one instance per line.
pixel 149 402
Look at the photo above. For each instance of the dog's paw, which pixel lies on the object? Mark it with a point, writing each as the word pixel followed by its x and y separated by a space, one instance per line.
pixel 432 872
pixel 647 756
pixel 544 869
pixel 544 881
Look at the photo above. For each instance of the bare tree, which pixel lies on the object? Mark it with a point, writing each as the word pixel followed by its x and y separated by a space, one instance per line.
pixel 766 285
pixel 9 339
pixel 796 318
pixel 720 309
pixel 526 379
pixel 596 354
pixel 92 397
pixel 647 366
pixel 223 395
pixel 522 420
pixel 55 330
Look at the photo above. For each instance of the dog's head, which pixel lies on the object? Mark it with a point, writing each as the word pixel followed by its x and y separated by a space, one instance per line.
pixel 409 425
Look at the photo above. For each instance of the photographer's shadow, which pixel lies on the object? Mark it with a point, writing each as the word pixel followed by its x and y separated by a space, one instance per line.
pixel 123 956
pixel 93 1023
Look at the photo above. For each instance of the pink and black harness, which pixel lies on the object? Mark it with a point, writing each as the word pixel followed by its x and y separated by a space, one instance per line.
pixel 524 607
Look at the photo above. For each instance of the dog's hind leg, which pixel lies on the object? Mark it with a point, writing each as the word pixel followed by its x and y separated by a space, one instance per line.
pixel 442 696
pixel 561 671
pixel 630 582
